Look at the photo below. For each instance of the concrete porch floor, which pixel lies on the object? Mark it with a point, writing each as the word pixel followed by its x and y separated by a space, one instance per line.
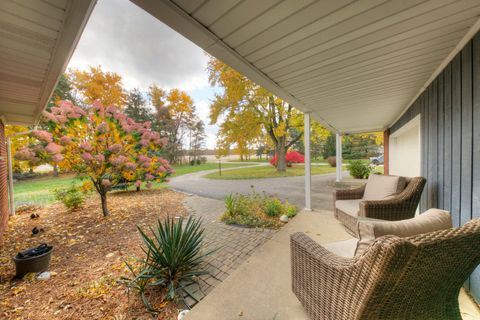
pixel 259 289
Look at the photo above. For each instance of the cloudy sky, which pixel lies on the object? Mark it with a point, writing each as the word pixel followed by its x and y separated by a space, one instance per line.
pixel 123 38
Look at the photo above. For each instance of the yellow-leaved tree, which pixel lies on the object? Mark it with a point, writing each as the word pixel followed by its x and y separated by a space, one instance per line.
pixel 240 95
pixel 95 84
pixel 175 114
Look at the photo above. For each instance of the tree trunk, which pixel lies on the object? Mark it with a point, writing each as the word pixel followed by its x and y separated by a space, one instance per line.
pixel 55 170
pixel 103 197
pixel 281 153
pixel 138 189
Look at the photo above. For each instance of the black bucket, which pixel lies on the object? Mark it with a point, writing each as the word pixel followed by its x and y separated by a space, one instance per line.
pixel 35 264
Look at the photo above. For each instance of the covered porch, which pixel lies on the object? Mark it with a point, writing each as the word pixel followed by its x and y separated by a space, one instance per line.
pixel 261 288
pixel 408 68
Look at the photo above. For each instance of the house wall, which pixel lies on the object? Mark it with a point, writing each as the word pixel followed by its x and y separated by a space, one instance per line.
pixel 404 150
pixel 450 140
pixel 4 211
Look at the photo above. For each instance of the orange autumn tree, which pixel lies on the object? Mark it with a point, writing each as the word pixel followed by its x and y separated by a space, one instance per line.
pixel 99 143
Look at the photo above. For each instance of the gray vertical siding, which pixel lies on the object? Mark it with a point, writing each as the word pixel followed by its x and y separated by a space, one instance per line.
pixel 450 129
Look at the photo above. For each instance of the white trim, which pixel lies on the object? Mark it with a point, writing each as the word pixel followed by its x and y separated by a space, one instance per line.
pixel 77 16
pixel 467 37
pixel 410 124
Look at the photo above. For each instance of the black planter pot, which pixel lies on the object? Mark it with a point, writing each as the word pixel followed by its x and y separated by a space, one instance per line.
pixel 32 264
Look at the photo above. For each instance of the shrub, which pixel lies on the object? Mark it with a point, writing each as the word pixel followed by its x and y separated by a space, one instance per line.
pixel 290 158
pixel 254 210
pixel 72 198
pixel 289 209
pixel 172 260
pixel 272 207
pixel 199 161
pixel 359 169
pixel 332 161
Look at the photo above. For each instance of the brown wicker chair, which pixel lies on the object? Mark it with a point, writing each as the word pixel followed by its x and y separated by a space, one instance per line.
pixel 394 279
pixel 400 207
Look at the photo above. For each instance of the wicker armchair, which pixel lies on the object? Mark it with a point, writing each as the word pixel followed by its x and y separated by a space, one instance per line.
pixel 396 278
pixel 399 207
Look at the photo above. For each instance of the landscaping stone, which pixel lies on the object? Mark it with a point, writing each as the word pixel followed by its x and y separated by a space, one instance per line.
pixel 44 276
pixel 182 314
pixel 284 218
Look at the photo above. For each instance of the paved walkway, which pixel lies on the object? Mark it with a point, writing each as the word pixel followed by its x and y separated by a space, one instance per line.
pixel 234 245
pixel 288 188
pixel 260 289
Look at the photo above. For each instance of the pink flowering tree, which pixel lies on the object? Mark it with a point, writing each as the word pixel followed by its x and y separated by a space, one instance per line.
pixel 100 143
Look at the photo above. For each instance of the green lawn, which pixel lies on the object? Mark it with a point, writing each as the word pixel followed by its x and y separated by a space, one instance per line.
pixel 265 160
pixel 40 191
pixel 267 172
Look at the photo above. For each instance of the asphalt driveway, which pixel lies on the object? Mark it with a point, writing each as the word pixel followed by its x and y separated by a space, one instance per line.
pixel 288 188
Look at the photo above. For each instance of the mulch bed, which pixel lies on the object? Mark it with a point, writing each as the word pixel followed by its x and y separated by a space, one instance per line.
pixel 87 261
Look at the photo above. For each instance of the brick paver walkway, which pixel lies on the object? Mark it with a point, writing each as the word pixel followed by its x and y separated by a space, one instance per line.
pixel 234 245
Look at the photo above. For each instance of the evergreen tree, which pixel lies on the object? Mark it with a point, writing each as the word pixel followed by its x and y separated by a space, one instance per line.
pixel 329 149
pixel 136 107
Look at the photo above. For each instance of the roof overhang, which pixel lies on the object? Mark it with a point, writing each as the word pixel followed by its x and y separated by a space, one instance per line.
pixel 355 65
pixel 38 39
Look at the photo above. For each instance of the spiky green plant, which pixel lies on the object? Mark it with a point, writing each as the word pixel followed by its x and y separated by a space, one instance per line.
pixel 174 253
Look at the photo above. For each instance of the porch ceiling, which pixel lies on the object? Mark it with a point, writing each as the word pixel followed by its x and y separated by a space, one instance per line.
pixel 37 40
pixel 356 65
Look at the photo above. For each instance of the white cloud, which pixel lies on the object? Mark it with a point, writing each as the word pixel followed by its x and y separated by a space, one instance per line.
pixel 123 38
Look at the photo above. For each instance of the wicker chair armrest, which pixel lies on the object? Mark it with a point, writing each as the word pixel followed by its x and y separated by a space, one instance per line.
pixel 320 280
pixel 348 194
pixel 391 209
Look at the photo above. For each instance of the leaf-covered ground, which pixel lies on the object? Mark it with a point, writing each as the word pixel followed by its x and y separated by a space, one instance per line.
pixel 87 261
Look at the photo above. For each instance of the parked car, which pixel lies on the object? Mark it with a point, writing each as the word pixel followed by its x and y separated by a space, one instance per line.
pixel 377 160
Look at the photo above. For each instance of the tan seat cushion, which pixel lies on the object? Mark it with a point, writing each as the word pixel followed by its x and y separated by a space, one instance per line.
pixel 350 207
pixel 430 220
pixel 380 187
pixel 345 248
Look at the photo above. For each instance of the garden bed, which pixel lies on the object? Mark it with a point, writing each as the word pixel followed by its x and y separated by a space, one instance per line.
pixel 88 258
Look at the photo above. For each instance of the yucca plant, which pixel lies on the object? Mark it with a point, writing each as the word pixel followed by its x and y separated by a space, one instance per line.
pixel 174 254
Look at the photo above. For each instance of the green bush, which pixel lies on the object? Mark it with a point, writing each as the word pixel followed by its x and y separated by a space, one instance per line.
pixel 173 258
pixel 359 169
pixel 254 210
pixel 289 209
pixel 72 198
pixel 272 207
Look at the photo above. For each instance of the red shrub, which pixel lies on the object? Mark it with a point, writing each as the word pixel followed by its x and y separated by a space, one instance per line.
pixel 290 157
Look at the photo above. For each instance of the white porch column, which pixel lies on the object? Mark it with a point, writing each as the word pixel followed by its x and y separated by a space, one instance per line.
pixel 308 175
pixel 339 157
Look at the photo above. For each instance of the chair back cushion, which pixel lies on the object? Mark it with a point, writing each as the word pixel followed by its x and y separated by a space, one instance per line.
pixel 430 220
pixel 380 187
